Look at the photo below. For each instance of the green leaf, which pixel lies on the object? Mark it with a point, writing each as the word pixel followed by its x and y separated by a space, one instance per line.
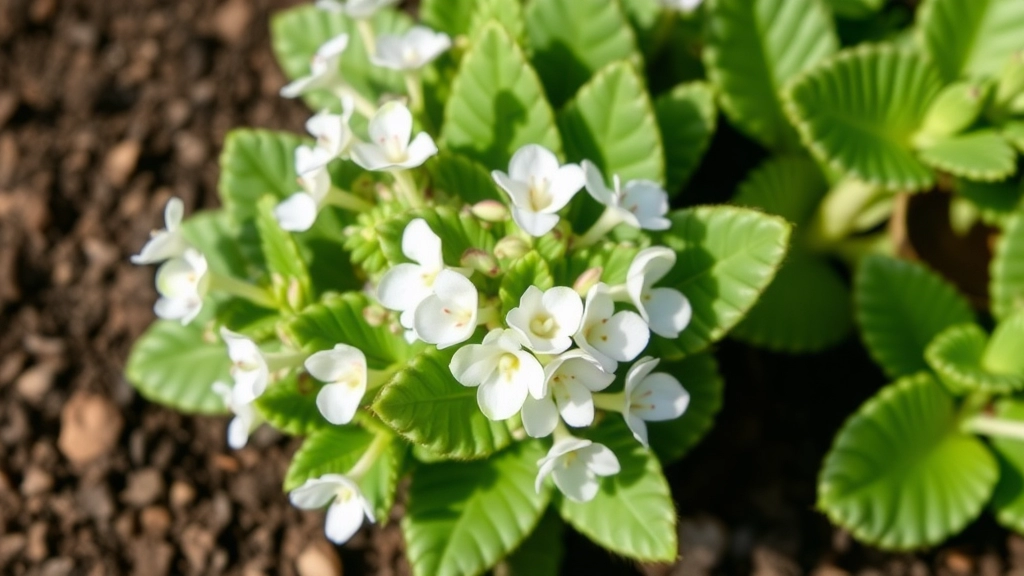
pixel 859 112
pixel 651 24
pixel 901 306
pixel 611 123
pixel 542 551
pixel 462 178
pixel 296 35
pixel 339 319
pixel 753 48
pixel 425 404
pixel 530 270
pixel 1006 288
pixel 613 258
pixel 726 257
pixel 335 450
pixel 463 517
pixel 290 405
pixel 686 118
pixel 632 514
pixel 1014 132
pixel 787 186
pixel 573 39
pixel 255 163
pixel 900 475
pixel 856 9
pixel 957 355
pixel 449 16
pixel 1008 497
pixel 284 262
pixel 996 201
pixel 497 103
pixel 458 232
pixel 699 375
pixel 177 365
pixel 363 243
pixel 508 14
pixel 806 309
pixel 980 155
pixel 226 249
pixel 1002 355
pixel 970 38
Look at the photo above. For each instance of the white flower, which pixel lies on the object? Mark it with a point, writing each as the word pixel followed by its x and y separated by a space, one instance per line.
pixel 640 203
pixel 182 283
pixel 324 69
pixel 651 397
pixel 569 382
pixel 245 420
pixel 343 368
pixel 248 367
pixel 685 6
pixel 298 212
pixel 167 243
pixel 538 187
pixel 349 506
pixel 358 9
pixel 405 285
pixel 413 50
pixel 448 315
pixel 547 320
pixel 665 310
pixel 389 147
pixel 575 464
pixel 609 336
pixel 504 372
pixel 332 131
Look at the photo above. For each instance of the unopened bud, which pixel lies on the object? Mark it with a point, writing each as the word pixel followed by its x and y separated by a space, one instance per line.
pixel 481 261
pixel 375 315
pixel 1011 81
pixel 294 295
pixel 587 280
pixel 954 109
pixel 511 247
pixel 490 211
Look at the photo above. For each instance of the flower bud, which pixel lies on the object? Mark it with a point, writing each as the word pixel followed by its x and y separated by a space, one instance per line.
pixel 587 280
pixel 490 211
pixel 1011 82
pixel 375 315
pixel 511 247
pixel 955 108
pixel 481 261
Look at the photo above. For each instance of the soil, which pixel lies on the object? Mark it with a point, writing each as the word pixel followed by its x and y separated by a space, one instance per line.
pixel 107 108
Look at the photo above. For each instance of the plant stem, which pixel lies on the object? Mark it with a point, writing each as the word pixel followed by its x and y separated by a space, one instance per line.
pixel 993 426
pixel 406 188
pixel 363 106
pixel 378 378
pixel 614 402
pixel 609 219
pixel 838 212
pixel 414 85
pixel 235 287
pixel 369 38
pixel 347 200
pixel 487 315
pixel 373 451
pixel 619 293
pixel 280 360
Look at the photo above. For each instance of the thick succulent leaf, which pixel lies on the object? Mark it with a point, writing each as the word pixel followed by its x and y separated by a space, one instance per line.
pixel 463 517
pixel 805 309
pixel 726 257
pixel 530 270
pixel 997 202
pixel 788 186
pixel 900 474
pixel 686 117
pixel 425 404
pixel 1008 498
pixel 341 319
pixel 957 355
pixel 1006 288
pixel 699 375
pixel 754 47
pixel 541 553
pixel 611 122
pixel 901 306
pixel 335 450
pixel 290 405
pixel 859 112
pixel 296 35
pixel 855 8
pixel 573 39
pixel 982 155
pixel 970 38
pixel 460 177
pixel 632 514
pixel 458 232
pixel 497 103
pixel 176 365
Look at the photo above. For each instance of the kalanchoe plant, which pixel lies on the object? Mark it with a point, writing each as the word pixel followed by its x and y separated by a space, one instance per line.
pixel 927 454
pixel 453 283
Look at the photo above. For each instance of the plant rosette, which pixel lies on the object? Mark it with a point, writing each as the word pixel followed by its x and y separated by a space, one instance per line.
pixel 447 281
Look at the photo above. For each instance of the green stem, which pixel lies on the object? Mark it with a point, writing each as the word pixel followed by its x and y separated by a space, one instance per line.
pixel 405 187
pixel 619 293
pixel 614 402
pixel 851 250
pixel 369 38
pixel 609 219
pixel 362 105
pixel 369 458
pixel 234 287
pixel 561 432
pixel 993 426
pixel 281 360
pixel 837 215
pixel 414 85
pixel 347 200
pixel 378 378
pixel 487 315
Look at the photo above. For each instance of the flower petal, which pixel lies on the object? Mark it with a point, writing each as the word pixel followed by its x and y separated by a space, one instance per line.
pixel 648 202
pixel 540 417
pixel 564 185
pixel 532 161
pixel 565 305
pixel 668 312
pixel 473 364
pixel 314 493
pixel 624 336
pixel 575 403
pixel 403 287
pixel 391 126
pixel 238 433
pixel 534 223
pixel 174 211
pixel 638 427
pixel 637 372
pixel 500 398
pixel 297 213
pixel 600 460
pixel 419 151
pixel 648 266
pixel 421 245
pixel 338 403
pixel 344 518
pixel 576 482
pixel 370 157
pixel 518 192
pixel 595 184
pixel 659 397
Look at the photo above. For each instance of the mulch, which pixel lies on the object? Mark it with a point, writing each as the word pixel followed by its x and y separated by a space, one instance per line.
pixel 108 108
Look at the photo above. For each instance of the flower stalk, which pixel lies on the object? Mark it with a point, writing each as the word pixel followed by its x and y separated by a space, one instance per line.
pixel 235 287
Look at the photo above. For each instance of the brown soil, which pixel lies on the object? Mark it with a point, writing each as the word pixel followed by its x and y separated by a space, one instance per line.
pixel 107 108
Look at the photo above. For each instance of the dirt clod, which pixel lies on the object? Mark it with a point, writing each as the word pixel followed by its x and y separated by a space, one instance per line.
pixel 89 427
pixel 318 559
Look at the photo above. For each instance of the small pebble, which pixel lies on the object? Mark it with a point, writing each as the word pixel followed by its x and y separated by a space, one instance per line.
pixel 319 558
